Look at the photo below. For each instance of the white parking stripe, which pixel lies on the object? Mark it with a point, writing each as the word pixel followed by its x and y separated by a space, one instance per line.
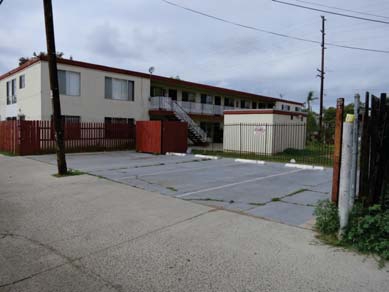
pixel 239 183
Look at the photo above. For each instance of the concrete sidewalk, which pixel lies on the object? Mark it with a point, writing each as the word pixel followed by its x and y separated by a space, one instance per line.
pixel 84 233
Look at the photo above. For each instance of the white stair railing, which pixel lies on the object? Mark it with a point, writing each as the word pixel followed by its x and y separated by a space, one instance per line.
pixel 166 103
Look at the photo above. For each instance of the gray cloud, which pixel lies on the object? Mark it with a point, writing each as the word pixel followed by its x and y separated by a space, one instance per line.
pixel 138 34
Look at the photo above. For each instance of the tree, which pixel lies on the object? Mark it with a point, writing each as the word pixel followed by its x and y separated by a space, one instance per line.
pixel 23 60
pixel 310 99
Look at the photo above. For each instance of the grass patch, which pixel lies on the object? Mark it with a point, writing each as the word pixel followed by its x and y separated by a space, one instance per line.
pixel 5 153
pixel 71 172
pixel 276 199
pixel 315 154
pixel 297 192
pixel 172 189
pixel 257 204
pixel 367 231
pixel 206 199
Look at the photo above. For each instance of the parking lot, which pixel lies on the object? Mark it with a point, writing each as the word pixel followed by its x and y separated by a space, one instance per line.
pixel 269 190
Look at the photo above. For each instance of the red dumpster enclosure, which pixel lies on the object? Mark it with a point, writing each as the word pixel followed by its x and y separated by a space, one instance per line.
pixel 159 137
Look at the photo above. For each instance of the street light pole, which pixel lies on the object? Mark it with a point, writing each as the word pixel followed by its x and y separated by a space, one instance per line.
pixel 53 72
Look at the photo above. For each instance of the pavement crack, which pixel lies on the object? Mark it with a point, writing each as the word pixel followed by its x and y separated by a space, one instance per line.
pixel 67 261
pixel 150 232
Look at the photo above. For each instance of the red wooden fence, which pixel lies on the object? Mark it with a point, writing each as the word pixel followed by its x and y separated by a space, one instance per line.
pixel 37 137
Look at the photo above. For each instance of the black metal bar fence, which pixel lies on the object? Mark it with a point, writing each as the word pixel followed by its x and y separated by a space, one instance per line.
pixel 274 142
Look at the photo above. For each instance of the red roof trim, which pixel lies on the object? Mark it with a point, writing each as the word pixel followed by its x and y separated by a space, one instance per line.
pixel 196 116
pixel 20 68
pixel 264 112
pixel 169 81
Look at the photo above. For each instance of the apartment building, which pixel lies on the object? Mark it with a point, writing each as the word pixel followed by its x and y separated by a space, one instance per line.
pixel 96 93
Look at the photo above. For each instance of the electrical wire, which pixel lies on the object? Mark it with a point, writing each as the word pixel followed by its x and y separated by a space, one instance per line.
pixel 271 32
pixel 341 9
pixel 331 12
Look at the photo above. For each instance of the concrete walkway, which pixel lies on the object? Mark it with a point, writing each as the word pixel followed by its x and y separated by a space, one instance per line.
pixel 84 233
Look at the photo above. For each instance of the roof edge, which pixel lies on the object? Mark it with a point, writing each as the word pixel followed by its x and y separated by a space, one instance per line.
pixel 168 80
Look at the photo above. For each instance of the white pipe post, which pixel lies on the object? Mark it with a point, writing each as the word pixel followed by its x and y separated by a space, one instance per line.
pixel 345 173
pixel 354 163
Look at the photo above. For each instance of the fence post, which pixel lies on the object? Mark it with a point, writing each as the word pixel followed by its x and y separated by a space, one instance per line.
pixel 240 140
pixel 337 150
pixel 365 150
pixel 354 161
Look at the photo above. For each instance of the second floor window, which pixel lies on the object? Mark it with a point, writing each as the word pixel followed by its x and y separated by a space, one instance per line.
pixel 11 91
pixel 229 101
pixel 69 83
pixel 22 81
pixel 119 89
pixel 188 96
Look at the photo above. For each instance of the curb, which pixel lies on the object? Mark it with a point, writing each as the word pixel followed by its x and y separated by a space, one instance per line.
pixel 304 166
pixel 207 156
pixel 175 154
pixel 250 161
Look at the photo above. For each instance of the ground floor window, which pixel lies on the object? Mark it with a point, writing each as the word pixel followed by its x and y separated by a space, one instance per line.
pixel 71 125
pixel 113 128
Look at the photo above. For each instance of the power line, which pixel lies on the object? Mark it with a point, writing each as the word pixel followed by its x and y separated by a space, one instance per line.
pixel 331 12
pixel 341 9
pixel 271 32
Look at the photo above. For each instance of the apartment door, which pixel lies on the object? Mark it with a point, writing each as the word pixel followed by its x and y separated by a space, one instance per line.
pixel 218 100
pixel 173 94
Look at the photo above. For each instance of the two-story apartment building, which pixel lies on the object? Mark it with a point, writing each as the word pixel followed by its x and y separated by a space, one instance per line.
pixel 95 93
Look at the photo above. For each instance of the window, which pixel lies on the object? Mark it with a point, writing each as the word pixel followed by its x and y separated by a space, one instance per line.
pixel 116 128
pixel 69 83
pixel 157 91
pixel 285 107
pixel 119 89
pixel 291 117
pixel 244 104
pixel 109 120
pixel 229 101
pixel 297 109
pixel 254 105
pixel 188 96
pixel 22 81
pixel 72 127
pixel 11 91
pixel 206 99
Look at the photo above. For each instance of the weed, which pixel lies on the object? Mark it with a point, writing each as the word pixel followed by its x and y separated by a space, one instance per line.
pixel 172 189
pixel 276 199
pixel 257 204
pixel 297 192
pixel 71 172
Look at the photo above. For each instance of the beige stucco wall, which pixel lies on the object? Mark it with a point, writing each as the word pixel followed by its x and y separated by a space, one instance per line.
pixel 28 98
pixel 91 105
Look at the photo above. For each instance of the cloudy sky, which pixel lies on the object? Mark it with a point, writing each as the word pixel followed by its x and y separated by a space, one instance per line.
pixel 137 34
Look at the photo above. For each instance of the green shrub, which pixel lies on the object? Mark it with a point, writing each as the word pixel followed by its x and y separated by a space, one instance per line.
pixel 368 230
pixel 327 219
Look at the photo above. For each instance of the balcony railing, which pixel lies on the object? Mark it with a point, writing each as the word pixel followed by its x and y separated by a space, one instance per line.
pixel 164 103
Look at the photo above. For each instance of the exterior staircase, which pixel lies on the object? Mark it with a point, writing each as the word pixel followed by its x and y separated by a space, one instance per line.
pixel 195 133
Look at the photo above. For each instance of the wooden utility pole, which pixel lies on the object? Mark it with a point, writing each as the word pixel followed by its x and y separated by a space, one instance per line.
pixel 52 58
pixel 322 73
pixel 337 150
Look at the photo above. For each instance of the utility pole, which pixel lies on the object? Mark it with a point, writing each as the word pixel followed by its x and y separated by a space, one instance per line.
pixel 322 73
pixel 53 71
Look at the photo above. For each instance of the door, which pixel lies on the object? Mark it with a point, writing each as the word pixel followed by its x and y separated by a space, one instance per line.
pixel 218 100
pixel 173 94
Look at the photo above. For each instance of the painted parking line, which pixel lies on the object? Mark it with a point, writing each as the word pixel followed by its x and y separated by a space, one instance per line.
pixel 176 170
pixel 238 183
